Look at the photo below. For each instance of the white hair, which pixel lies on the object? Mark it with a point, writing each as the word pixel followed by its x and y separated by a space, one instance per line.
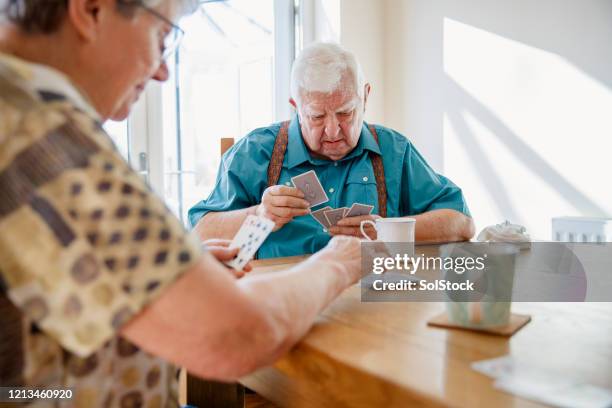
pixel 323 67
pixel 15 8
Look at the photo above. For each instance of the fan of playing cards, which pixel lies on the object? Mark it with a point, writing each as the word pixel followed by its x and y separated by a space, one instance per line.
pixel 250 236
pixel 255 230
pixel 329 217
pixel 314 193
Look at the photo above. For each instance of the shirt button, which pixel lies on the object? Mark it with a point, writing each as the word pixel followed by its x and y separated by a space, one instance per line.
pixel 335 164
pixel 331 190
pixel 365 178
pixel 288 183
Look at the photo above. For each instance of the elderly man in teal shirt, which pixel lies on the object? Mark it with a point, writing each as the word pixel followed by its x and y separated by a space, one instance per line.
pixel 328 135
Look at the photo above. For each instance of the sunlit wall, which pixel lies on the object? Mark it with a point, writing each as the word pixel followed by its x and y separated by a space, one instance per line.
pixel 512 100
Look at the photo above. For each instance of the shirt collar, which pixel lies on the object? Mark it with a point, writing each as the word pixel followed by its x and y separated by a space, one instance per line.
pixel 297 152
pixel 45 80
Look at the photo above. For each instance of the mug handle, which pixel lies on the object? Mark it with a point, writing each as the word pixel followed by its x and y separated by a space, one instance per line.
pixel 363 232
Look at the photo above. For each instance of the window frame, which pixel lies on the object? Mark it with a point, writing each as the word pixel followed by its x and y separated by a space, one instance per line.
pixel 146 125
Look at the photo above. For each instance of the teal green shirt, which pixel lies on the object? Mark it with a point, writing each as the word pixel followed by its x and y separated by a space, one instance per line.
pixel 413 187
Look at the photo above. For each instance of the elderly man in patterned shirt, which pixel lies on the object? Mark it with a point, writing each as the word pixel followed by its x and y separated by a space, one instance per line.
pixel 99 285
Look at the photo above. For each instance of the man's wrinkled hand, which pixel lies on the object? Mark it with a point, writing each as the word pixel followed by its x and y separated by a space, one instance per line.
pixel 350 226
pixel 281 204
pixel 220 249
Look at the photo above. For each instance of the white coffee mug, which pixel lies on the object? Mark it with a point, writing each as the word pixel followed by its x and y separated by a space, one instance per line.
pixel 391 229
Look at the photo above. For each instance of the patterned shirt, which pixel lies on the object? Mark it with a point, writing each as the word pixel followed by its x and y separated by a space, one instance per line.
pixel 84 246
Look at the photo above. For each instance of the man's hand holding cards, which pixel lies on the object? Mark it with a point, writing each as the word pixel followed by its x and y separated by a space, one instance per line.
pixel 281 204
pixel 349 224
pixel 345 221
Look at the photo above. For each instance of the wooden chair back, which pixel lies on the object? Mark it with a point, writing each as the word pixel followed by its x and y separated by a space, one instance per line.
pixel 226 143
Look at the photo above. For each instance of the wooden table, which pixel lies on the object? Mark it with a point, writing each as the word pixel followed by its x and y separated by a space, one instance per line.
pixel 384 354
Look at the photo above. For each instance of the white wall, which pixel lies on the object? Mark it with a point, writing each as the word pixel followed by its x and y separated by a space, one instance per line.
pixel 320 20
pixel 363 33
pixel 511 100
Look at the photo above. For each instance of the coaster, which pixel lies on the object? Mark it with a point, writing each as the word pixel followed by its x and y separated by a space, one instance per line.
pixel 517 321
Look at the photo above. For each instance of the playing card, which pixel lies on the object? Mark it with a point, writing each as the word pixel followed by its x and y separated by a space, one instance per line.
pixel 310 185
pixel 357 210
pixel 333 216
pixel 252 233
pixel 319 216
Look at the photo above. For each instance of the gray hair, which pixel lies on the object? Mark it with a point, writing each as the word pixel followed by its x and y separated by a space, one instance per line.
pixel 323 67
pixel 45 16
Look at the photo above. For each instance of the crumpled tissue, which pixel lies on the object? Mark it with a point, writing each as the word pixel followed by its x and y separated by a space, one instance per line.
pixel 506 232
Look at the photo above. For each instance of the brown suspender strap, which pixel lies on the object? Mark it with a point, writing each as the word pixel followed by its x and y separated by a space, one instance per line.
pixel 278 155
pixel 379 174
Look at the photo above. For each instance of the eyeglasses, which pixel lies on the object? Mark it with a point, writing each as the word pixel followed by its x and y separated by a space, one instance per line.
pixel 171 40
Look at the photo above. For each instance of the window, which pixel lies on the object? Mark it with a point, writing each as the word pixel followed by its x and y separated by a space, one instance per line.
pixel 131 137
pixel 119 132
pixel 230 75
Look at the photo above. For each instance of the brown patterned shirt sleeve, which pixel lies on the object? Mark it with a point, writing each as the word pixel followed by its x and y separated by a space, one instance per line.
pixel 84 243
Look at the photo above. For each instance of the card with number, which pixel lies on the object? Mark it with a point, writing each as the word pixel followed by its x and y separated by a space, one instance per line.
pixel 250 236
pixel 310 185
pixel 358 209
